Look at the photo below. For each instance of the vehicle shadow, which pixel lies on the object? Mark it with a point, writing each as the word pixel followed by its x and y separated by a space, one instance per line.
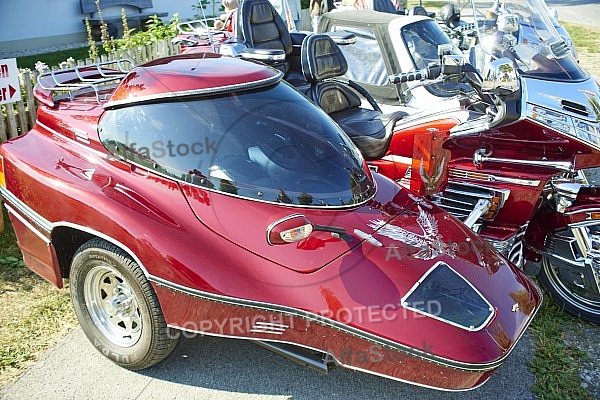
pixel 238 366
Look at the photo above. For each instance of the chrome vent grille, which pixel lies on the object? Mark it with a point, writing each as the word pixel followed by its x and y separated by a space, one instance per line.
pixel 512 248
pixel 574 107
pixel 459 199
pixel 515 254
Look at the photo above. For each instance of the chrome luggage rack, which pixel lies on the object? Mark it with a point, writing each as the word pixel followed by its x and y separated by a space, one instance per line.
pixel 83 79
pixel 198 27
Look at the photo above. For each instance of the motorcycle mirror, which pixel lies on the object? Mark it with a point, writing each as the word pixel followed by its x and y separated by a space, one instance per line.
pixel 500 78
pixel 452 64
pixel 290 229
pixel 507 23
pixel 444 49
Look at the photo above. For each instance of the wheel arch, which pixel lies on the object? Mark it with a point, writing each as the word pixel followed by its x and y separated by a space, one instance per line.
pixel 67 238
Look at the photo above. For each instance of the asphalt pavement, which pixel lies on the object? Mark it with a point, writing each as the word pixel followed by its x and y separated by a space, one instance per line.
pixel 218 368
pixel 586 12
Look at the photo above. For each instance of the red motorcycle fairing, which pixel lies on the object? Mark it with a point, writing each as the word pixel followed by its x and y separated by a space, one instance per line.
pixel 418 148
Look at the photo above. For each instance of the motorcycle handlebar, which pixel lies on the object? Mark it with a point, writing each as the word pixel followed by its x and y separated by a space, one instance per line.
pixel 431 72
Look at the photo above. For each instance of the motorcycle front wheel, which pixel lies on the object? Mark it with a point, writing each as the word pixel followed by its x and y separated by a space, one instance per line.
pixel 564 281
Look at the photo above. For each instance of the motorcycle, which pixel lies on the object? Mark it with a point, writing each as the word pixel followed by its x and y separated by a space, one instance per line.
pixel 506 152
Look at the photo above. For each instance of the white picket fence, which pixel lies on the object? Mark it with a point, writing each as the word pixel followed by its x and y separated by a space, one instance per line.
pixel 19 117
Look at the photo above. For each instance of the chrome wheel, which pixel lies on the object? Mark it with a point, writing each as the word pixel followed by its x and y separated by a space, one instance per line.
pixel 112 306
pixel 571 289
pixel 117 307
pixel 572 283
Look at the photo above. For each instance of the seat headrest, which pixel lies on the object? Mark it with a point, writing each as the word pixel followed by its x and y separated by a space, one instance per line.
pixel 261 26
pixel 321 58
pixel 417 10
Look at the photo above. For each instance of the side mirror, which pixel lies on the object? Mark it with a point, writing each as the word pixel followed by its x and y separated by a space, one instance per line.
pixel 500 78
pixel 507 23
pixel 452 64
pixel 290 229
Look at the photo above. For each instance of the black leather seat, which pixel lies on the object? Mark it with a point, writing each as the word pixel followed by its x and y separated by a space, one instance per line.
pixel 267 39
pixel 262 30
pixel 370 130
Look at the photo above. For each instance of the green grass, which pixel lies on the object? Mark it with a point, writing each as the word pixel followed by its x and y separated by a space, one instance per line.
pixel 429 5
pixel 52 59
pixel 34 315
pixel 584 37
pixel 555 364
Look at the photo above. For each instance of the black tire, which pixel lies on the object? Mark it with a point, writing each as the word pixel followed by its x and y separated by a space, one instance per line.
pixel 118 308
pixel 555 280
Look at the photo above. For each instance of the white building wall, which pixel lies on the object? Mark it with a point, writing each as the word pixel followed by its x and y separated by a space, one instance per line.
pixel 39 23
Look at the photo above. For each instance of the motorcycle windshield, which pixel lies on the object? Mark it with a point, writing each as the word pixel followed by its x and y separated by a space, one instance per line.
pixel 523 31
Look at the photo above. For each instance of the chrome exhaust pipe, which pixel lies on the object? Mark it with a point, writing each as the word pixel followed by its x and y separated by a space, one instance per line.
pixel 318 361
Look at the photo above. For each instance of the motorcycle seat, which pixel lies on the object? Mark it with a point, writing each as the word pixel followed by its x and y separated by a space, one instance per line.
pixel 371 132
pixel 261 29
pixel 322 61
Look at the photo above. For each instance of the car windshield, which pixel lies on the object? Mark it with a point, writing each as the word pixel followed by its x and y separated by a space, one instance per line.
pixel 269 144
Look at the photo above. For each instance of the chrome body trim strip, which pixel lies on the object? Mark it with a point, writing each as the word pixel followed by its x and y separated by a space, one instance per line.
pixel 316 318
pixel 50 226
pixel 26 210
pixel 463 174
pixel 27 224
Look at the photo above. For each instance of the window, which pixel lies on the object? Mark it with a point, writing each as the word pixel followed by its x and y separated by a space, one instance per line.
pixel 365 61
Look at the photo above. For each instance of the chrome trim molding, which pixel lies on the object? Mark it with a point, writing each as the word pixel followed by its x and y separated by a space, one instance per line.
pixel 50 226
pixel 269 327
pixel 464 174
pixel 319 319
pixel 26 210
pixel 27 224
pixel 194 92
pixel 480 157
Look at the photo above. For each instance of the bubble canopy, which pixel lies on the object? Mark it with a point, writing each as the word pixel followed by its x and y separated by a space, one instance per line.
pixel 267 143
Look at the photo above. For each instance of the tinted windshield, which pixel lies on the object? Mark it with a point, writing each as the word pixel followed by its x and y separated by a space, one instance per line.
pixel 523 31
pixel 365 60
pixel 271 145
